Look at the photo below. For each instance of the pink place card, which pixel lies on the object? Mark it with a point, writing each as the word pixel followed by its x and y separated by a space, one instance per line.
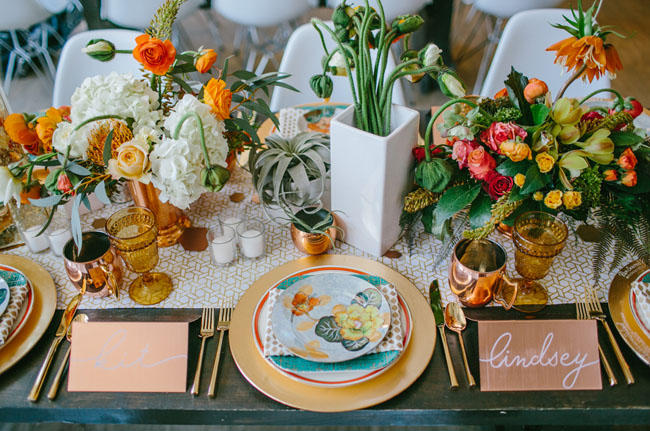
pixel 533 355
pixel 128 357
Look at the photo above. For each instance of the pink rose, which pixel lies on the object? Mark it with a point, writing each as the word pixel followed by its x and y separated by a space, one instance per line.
pixel 496 185
pixel 498 133
pixel 480 163
pixel 461 151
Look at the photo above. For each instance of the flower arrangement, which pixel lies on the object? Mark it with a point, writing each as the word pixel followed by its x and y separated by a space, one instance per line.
pixel 521 151
pixel 356 32
pixel 161 129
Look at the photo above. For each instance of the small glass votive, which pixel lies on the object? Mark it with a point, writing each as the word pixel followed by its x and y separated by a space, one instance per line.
pixel 232 221
pixel 58 233
pixel 30 219
pixel 222 242
pixel 251 238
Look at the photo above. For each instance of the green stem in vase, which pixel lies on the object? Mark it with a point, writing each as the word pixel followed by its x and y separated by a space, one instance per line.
pixel 427 135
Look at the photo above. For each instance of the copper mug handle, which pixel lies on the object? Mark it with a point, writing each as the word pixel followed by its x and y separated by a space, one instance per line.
pixel 506 283
pixel 113 287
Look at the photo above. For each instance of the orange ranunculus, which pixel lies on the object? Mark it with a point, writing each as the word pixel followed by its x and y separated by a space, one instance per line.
pixel 610 175
pixel 588 51
pixel 534 89
pixel 154 54
pixel 218 97
pixel 45 127
pixel 501 93
pixel 629 178
pixel 20 132
pixel 627 160
pixel 205 60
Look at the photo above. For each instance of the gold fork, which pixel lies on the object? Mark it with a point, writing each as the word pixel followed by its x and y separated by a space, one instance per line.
pixel 583 314
pixel 207 331
pixel 222 327
pixel 596 312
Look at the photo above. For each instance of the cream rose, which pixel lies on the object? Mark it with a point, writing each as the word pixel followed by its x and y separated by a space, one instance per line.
pixel 132 161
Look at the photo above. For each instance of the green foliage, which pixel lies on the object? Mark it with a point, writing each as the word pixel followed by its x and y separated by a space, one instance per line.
pixel 515 84
pixel 509 168
pixel 589 184
pixel 434 175
pixel 540 113
pixel 506 115
pixel 454 200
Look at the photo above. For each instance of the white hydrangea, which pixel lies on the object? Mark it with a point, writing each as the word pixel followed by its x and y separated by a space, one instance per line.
pixel 65 135
pixel 116 94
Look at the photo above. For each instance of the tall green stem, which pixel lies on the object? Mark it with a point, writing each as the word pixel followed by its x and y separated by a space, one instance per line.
pixel 440 110
pixel 196 117
pixel 618 95
pixel 97 118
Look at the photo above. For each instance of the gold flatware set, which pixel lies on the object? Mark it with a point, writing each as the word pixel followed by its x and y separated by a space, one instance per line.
pixel 207 331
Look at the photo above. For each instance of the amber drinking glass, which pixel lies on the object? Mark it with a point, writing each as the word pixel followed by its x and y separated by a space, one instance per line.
pixel 133 233
pixel 538 238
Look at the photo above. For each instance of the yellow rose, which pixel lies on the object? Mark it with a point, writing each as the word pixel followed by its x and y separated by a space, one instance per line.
pixel 517 151
pixel 538 196
pixel 131 161
pixel 520 179
pixel 553 199
pixel 545 162
pixel 572 199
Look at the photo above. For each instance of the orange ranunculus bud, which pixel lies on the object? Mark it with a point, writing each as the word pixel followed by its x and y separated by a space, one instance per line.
pixel 535 88
pixel 65 112
pixel 205 60
pixel 610 175
pixel 627 160
pixel 629 178
pixel 218 97
pixel 501 93
pixel 20 132
pixel 154 54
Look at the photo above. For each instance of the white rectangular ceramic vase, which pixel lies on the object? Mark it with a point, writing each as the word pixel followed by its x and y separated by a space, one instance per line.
pixel 370 176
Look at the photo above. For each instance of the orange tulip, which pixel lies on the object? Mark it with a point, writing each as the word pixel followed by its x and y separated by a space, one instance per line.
pixel 155 55
pixel 627 160
pixel 610 175
pixel 590 52
pixel 20 132
pixel 534 89
pixel 218 97
pixel 205 60
pixel 629 178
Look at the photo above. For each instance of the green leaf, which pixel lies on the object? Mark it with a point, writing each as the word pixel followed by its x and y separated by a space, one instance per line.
pixel 540 112
pixel 454 200
pixel 509 168
pixel 534 180
pixel 354 345
pixel 186 88
pixel 427 218
pixel 77 169
pixel 183 68
pixel 244 74
pixel 515 84
pixel 47 202
pixel 481 211
pixel 85 201
pixel 327 329
pixel 625 139
pixel 75 222
pixel 108 144
pixel 434 175
pixel 100 192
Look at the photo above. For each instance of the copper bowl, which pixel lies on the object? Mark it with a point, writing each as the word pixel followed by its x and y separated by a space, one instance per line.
pixel 314 243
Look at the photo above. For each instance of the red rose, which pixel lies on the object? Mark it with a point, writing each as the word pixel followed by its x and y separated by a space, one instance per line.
pixel 627 160
pixel 461 151
pixel 591 115
pixel 501 132
pixel 63 184
pixel 496 185
pixel 480 163
pixel 418 152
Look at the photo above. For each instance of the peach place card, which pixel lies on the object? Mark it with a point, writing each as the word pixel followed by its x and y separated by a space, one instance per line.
pixel 539 355
pixel 128 357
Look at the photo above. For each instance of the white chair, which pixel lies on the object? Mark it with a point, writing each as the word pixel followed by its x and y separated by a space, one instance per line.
pixel 19 16
pixel 252 15
pixel 302 59
pixel 392 8
pixel 523 46
pixel 74 65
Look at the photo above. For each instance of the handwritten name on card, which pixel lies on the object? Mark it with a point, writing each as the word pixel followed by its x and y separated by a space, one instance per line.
pixel 128 357
pixel 539 355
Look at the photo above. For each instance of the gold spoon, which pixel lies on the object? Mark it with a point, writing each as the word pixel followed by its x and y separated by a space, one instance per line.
pixel 455 320
pixel 54 389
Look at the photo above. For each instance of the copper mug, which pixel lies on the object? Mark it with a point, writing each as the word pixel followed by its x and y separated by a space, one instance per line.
pixel 477 274
pixel 96 270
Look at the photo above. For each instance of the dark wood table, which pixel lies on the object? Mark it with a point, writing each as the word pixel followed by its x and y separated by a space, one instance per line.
pixel 427 402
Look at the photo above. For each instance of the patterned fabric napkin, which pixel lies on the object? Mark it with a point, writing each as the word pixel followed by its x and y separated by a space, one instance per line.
pixel 392 342
pixel 19 288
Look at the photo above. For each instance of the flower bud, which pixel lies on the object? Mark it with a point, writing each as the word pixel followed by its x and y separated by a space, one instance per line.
pixel 407 23
pixel 204 61
pixel 569 134
pixel 322 86
pixel 450 84
pixel 430 55
pixel 534 89
pixel 610 175
pixel 336 65
pixel 214 177
pixel 566 112
pixel 629 178
pixel 409 55
pixel 100 49
pixel 340 17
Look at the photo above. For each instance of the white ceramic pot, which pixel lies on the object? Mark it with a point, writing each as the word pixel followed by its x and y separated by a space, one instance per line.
pixel 370 176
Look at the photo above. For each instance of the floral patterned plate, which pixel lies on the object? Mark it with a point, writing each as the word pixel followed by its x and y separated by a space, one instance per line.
pixel 331 317
pixel 4 295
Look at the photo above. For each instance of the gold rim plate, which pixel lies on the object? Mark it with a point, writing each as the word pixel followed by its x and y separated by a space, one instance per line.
pixel 621 310
pixel 265 378
pixel 43 310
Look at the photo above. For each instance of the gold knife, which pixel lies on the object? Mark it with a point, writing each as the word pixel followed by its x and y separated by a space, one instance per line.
pixel 436 306
pixel 68 314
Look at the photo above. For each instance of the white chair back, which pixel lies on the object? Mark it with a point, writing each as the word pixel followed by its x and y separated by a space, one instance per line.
pixel 138 13
pixel 22 14
pixel 523 46
pixel 507 8
pixel 392 8
pixel 261 13
pixel 302 59
pixel 75 66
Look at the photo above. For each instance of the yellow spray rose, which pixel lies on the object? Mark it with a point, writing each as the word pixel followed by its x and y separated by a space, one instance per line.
pixel 572 199
pixel 520 179
pixel 538 196
pixel 516 151
pixel 545 162
pixel 553 199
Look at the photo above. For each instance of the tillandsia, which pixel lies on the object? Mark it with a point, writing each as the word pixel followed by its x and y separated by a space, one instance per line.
pixel 161 129
pixel 521 151
pixel 357 32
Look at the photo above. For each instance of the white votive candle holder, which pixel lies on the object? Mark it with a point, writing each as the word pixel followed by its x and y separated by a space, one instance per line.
pixel 222 243
pixel 36 243
pixel 232 221
pixel 58 239
pixel 251 238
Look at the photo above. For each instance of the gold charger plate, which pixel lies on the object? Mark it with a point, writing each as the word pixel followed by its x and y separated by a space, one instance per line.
pixel 621 310
pixel 285 390
pixel 41 315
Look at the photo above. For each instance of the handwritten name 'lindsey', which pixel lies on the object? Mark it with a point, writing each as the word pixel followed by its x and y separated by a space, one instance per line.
pixel 499 356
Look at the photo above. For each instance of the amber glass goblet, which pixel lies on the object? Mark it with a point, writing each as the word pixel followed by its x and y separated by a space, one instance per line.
pixel 133 233
pixel 538 238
